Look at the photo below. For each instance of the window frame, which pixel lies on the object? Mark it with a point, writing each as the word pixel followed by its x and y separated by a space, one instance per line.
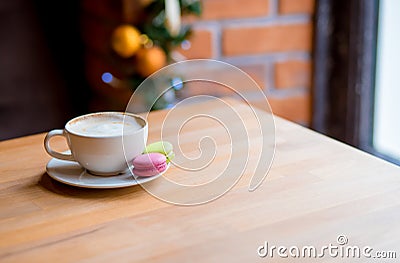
pixel 345 48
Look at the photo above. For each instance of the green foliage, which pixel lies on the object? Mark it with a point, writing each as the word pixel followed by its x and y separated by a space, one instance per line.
pixel 152 23
pixel 154 26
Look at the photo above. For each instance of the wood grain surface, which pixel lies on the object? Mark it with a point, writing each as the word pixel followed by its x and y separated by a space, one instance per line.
pixel 317 189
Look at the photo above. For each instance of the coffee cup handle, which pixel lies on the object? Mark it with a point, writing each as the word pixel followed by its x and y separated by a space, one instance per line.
pixel 51 152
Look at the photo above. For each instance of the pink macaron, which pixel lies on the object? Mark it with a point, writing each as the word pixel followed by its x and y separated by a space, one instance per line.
pixel 149 164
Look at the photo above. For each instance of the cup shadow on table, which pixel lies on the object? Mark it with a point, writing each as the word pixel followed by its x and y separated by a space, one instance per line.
pixel 51 185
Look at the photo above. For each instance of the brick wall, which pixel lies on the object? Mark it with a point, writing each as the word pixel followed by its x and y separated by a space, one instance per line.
pixel 271 40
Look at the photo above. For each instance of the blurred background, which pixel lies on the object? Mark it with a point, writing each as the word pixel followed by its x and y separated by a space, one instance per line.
pixel 326 64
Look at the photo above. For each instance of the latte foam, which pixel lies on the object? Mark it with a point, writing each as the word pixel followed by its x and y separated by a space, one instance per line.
pixel 105 124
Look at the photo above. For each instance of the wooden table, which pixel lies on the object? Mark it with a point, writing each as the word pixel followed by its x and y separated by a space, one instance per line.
pixel 316 190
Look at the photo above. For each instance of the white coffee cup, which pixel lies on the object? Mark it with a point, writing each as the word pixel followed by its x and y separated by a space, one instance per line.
pixel 102 142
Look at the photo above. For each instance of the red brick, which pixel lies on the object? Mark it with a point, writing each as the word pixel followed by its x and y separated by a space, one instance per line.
pixel 296 6
pixel 241 86
pixel 195 88
pixel 296 108
pixel 223 9
pixel 294 73
pixel 200 45
pixel 257 73
pixel 256 40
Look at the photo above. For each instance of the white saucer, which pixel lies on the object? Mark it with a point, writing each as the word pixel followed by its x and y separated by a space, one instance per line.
pixel 72 173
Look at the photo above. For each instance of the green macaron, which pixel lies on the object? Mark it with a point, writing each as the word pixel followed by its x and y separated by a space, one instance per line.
pixel 163 147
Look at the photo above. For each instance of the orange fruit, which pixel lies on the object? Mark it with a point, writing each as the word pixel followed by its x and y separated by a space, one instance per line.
pixel 149 60
pixel 145 2
pixel 126 40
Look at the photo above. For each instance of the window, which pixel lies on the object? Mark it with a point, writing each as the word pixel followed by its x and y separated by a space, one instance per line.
pixel 386 128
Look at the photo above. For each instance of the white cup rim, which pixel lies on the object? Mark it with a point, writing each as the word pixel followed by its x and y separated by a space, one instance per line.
pixel 68 124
